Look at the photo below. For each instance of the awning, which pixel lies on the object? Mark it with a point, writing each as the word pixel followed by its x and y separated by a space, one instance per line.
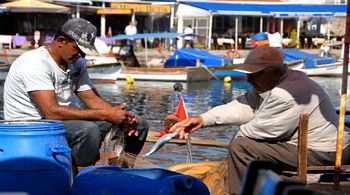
pixel 152 35
pixel 34 6
pixel 294 10
pixel 229 8
pixel 278 10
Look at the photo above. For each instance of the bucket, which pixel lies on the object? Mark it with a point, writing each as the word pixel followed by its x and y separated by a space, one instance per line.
pixel 34 157
pixel 152 181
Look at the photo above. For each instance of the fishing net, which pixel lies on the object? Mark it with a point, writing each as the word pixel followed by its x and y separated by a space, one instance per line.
pixel 112 152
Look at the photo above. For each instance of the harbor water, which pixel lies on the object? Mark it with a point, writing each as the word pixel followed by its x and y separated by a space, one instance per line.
pixel 155 100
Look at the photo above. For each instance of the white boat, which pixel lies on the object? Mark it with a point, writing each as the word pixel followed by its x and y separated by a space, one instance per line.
pixel 316 65
pixel 334 69
pixel 104 67
pixel 183 74
pixel 104 73
pixel 101 60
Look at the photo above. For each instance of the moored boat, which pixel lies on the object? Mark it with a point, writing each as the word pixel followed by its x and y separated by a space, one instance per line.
pixel 315 65
pixel 104 73
pixel 182 74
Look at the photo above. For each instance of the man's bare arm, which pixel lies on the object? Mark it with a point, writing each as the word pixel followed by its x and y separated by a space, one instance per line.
pixel 47 104
pixel 92 99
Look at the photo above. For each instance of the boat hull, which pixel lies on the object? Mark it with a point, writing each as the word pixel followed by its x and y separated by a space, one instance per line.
pixel 186 74
pixel 330 70
pixel 104 73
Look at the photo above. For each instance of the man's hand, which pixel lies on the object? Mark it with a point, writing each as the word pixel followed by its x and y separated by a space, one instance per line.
pixel 118 115
pixel 126 118
pixel 185 127
pixel 130 126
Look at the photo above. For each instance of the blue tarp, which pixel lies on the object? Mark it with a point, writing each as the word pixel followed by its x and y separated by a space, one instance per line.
pixel 152 35
pixel 279 10
pixel 310 61
pixel 188 57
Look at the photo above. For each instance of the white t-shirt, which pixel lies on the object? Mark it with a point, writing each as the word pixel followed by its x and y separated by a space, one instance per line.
pixel 188 30
pixel 36 70
pixel 130 30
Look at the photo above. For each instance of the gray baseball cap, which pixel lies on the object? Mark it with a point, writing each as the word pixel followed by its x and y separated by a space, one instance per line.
pixel 260 58
pixel 83 33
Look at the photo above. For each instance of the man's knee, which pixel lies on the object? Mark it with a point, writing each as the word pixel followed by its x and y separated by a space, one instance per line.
pixel 85 140
pixel 238 143
pixel 91 132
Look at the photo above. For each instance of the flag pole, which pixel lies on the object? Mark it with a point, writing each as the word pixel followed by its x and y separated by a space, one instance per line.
pixel 342 101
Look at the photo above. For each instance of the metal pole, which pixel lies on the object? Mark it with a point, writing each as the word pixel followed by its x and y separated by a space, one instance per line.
pixel 78 11
pixel 236 33
pixel 103 22
pixel 146 51
pixel 172 16
pixel 329 29
pixel 298 32
pixel 281 30
pixel 342 101
pixel 210 29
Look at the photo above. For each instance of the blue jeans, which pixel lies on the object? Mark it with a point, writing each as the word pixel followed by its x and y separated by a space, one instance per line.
pixel 85 139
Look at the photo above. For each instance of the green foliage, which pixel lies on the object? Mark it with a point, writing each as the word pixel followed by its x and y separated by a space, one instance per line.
pixel 230 64
pixel 198 45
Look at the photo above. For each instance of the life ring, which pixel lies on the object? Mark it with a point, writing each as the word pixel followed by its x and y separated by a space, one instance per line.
pixel 230 51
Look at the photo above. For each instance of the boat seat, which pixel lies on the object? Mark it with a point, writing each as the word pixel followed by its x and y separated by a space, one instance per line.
pixel 303 169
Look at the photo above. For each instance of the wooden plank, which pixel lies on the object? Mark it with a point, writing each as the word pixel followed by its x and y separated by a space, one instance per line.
pixel 330 168
pixel 302 148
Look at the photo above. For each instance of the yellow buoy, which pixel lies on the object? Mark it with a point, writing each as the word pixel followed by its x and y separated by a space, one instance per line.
pixel 227 79
pixel 129 79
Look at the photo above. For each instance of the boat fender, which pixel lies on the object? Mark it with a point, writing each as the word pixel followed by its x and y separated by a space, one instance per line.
pixel 130 80
pixel 227 79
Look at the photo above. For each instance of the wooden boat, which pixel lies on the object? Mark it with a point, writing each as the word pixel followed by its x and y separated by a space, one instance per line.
pixel 104 73
pixel 183 74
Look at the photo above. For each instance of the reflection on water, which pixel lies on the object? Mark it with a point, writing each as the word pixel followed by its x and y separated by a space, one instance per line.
pixel 155 100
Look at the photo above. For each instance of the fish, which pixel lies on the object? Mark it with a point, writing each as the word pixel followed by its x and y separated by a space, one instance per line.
pixel 164 139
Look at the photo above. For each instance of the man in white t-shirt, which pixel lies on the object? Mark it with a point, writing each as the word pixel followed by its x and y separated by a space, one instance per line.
pixel 188 39
pixel 41 84
pixel 131 30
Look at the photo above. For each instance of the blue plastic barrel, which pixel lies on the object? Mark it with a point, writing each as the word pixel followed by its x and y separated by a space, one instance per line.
pixel 124 181
pixel 34 157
